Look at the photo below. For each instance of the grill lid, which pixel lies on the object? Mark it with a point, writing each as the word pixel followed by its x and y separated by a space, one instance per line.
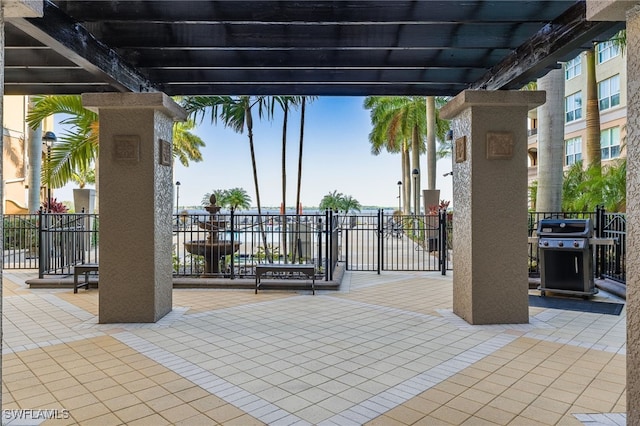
pixel 559 228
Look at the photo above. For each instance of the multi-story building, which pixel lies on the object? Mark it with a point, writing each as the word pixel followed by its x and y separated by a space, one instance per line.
pixel 611 76
pixel 16 155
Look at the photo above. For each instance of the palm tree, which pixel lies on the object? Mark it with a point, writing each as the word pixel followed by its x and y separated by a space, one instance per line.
pixel 331 201
pixel 82 177
pixel 77 148
pixel 235 113
pixel 592 119
pixel 551 142
pixel 396 121
pixel 237 199
pixel 436 130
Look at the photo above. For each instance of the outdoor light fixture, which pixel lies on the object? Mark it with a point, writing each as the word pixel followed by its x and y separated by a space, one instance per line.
pixel 399 192
pixel 49 139
pixel 415 174
pixel 449 135
pixel 177 218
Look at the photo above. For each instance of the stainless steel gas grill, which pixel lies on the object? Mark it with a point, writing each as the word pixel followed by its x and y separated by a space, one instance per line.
pixel 566 256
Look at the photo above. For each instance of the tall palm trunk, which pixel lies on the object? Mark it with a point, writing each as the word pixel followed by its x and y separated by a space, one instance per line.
pixel 551 143
pixel 283 222
pixel 431 142
pixel 249 122
pixel 594 153
pixel 299 186
pixel 415 165
pixel 34 137
pixel 406 178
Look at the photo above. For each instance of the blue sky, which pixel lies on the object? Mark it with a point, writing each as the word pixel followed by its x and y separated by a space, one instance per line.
pixel 337 156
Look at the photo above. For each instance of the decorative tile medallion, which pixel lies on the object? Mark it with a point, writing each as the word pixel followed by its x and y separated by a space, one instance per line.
pixel 499 145
pixel 461 149
pixel 126 148
pixel 165 152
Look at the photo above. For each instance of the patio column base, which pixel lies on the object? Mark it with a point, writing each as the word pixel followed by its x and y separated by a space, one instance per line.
pixel 135 203
pixel 490 283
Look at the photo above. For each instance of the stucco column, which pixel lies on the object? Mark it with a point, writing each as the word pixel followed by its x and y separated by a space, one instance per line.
pixel 490 283
pixel 9 9
pixel 621 10
pixel 136 192
pixel 551 142
pixel 633 216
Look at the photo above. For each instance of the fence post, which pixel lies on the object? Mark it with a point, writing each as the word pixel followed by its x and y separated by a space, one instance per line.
pixel 442 246
pixel 41 244
pixel 232 229
pixel 380 239
pixel 600 254
pixel 320 260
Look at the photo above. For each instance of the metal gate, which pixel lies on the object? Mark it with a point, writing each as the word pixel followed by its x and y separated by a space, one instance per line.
pixel 392 242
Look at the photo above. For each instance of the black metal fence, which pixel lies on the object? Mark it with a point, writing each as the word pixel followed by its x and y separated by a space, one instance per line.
pixel 392 242
pixel 230 245
pixel 609 259
pixel 21 241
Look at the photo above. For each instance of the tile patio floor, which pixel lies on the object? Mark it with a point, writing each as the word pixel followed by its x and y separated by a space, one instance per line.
pixel 385 350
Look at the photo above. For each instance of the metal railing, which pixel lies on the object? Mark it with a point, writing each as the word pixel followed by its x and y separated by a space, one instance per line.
pixel 392 242
pixel 65 241
pixel 53 243
pixel 231 245
pixel 609 260
pixel 21 241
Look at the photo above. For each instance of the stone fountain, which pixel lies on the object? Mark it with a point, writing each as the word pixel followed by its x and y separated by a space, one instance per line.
pixel 212 248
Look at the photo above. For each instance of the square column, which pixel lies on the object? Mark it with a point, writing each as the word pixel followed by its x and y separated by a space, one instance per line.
pixel 490 282
pixel 136 204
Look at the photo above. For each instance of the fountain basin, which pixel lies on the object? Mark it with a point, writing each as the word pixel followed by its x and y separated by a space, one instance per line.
pixel 212 252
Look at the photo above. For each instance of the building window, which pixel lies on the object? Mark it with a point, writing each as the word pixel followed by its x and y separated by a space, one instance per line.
pixel 572 151
pixel 610 143
pixel 573 107
pixel 607 50
pixel 573 68
pixel 609 92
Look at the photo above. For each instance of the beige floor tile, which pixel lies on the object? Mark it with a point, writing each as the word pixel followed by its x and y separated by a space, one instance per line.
pixel 494 415
pixel 384 420
pixel 134 412
pixel 152 420
pixel 164 402
pixel 405 415
pixel 450 415
pixel 465 405
pixel 224 413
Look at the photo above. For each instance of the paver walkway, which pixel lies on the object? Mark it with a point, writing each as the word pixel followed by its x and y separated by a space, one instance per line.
pixel 385 350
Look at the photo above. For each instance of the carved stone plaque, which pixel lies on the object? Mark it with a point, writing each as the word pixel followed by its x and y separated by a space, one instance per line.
pixel 461 149
pixel 499 145
pixel 165 152
pixel 126 148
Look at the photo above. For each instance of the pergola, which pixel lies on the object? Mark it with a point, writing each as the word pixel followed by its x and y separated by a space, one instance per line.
pixel 127 57
pixel 195 47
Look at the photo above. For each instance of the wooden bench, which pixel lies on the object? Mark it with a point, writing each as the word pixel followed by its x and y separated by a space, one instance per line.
pixel 85 269
pixel 308 269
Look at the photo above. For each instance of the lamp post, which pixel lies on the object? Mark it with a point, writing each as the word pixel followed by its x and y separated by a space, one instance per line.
pixel 177 202
pixel 415 174
pixel 49 139
pixel 399 193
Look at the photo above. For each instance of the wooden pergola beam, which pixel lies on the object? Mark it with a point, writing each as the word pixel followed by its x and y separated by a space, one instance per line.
pixel 59 32
pixel 534 58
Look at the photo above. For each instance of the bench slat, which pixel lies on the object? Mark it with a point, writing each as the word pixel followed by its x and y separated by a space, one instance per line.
pixel 308 269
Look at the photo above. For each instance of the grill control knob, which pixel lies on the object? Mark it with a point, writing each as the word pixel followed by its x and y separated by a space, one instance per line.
pixel 546 243
pixel 560 244
pixel 576 244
